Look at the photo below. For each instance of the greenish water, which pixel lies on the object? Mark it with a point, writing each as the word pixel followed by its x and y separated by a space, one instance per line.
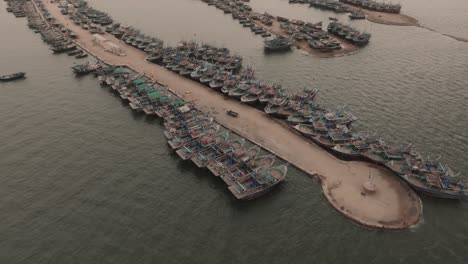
pixel 85 180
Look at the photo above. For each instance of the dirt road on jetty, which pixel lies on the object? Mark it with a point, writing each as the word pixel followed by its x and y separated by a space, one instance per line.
pixel 392 206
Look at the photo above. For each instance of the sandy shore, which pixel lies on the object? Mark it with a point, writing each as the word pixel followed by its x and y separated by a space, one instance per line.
pixel 347 47
pixel 392 206
pixel 387 18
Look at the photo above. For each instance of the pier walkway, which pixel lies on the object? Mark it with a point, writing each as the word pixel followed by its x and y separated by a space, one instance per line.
pixel 393 206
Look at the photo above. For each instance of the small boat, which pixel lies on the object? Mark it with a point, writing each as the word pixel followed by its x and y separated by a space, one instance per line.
pixel 81 55
pixel 278 44
pixel 357 15
pixel 238 157
pixel 11 77
pixel 251 96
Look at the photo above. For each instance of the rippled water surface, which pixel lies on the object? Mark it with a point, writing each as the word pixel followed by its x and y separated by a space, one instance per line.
pixel 85 180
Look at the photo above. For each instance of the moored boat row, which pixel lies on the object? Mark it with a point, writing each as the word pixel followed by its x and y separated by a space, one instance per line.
pixel 195 136
pixel 348 33
pixel 326 128
pixel 374 5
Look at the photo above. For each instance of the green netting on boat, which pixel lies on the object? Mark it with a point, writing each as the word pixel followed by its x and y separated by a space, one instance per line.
pixel 142 87
pixel 119 71
pixel 164 99
pixel 153 95
pixel 179 103
pixel 138 81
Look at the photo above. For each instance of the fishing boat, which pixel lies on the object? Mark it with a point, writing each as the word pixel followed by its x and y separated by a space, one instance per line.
pixel 306 130
pixel 177 129
pixel 229 84
pixel 251 96
pixel 275 104
pixel 357 15
pixel 218 80
pixel 193 148
pixel 240 156
pixel 179 142
pixel 268 94
pixel 241 89
pixel 258 183
pixel 278 44
pixel 199 72
pixel 298 118
pixel 432 178
pixel 11 77
pixel 232 174
pixel 81 55
pixel 205 157
pixel 81 69
pixel 353 150
pixel 380 153
pixel 208 76
pixel 332 138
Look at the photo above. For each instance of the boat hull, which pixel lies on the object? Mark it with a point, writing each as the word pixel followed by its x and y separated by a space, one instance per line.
pixel 435 193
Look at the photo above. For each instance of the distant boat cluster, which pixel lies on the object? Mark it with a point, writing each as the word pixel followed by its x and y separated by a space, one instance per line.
pixel 348 33
pixel 16 7
pixel 195 136
pixel 342 5
pixel 296 30
pixel 375 6
pixel 330 5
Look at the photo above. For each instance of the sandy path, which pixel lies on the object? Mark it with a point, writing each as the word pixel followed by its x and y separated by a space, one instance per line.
pixel 386 18
pixel 393 206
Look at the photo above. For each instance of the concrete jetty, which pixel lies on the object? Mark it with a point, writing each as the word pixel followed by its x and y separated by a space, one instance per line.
pixel 393 205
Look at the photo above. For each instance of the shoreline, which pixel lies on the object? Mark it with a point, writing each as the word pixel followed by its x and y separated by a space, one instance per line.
pixel 400 212
pixel 384 18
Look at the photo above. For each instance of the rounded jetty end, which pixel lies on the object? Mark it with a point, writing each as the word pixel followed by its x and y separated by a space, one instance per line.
pixel 382 201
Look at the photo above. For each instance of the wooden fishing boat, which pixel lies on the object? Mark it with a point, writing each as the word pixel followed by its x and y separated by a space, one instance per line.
pixel 240 156
pixel 352 150
pixel 306 130
pixel 231 175
pixel 258 183
pixel 429 177
pixel 12 77
pixel 205 157
pixel 251 96
pixel 194 134
pixel 193 148
pixel 332 138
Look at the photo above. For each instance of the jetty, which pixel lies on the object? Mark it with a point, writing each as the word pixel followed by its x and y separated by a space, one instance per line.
pixel 394 205
pixel 390 205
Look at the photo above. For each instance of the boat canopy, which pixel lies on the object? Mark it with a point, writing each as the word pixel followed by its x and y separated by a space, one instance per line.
pixel 154 95
pixel 138 81
pixel 179 103
pixel 119 70
pixel 150 90
pixel 164 99
pixel 142 87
